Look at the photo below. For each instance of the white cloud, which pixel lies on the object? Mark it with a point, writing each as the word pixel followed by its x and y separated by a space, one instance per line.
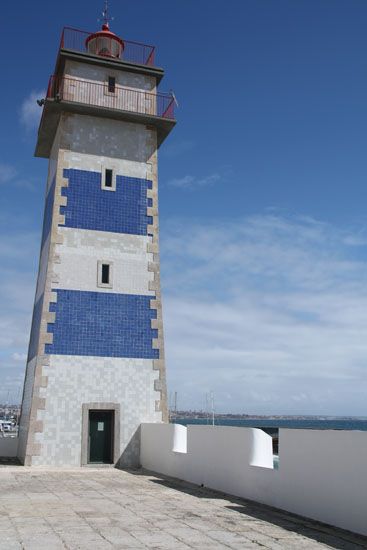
pixel 30 111
pixel 19 357
pixel 19 253
pixel 269 312
pixel 7 173
pixel 11 387
pixel 191 182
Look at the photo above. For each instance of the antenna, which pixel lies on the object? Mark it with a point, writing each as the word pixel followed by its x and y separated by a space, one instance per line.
pixel 106 18
pixel 212 404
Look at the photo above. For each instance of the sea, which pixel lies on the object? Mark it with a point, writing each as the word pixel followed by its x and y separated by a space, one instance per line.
pixel 270 424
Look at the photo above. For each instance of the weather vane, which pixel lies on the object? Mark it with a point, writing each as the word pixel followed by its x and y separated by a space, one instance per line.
pixel 105 14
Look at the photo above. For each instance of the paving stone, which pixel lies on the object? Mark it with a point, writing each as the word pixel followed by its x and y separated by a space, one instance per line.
pixel 94 509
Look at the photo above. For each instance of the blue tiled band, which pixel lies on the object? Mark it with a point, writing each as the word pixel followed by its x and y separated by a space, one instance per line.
pixel 91 207
pixel 102 324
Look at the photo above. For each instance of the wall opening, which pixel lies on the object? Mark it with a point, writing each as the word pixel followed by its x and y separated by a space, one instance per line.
pixel 274 434
pixel 104 274
pixel 108 179
pixel 101 437
pixel 90 412
pixel 111 84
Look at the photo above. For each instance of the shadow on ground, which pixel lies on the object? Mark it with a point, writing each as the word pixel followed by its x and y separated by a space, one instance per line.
pixel 5 461
pixel 313 530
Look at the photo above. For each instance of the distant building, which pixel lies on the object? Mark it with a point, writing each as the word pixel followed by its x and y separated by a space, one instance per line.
pixel 95 367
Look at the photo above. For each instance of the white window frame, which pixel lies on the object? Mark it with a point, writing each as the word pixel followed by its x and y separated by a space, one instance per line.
pixel 100 263
pixel 103 178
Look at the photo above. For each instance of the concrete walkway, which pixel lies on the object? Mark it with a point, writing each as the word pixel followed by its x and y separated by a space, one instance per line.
pixel 95 509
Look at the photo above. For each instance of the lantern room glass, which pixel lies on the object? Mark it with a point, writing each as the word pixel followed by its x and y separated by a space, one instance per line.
pixel 104 45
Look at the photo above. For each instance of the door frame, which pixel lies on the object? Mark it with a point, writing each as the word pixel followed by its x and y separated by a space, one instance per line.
pixel 86 407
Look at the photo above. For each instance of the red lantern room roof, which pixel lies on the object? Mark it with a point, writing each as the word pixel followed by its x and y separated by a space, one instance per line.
pixel 103 34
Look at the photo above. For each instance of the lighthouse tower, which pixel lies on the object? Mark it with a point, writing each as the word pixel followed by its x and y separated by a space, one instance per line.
pixel 95 367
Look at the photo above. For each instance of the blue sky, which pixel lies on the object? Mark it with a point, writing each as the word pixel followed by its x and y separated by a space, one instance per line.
pixel 262 194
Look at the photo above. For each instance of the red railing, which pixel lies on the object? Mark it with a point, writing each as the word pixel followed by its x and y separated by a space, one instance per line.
pixel 100 95
pixel 134 52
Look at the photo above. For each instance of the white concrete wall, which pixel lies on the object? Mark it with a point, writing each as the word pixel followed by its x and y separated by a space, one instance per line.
pixel 321 475
pixel 8 447
pixel 74 380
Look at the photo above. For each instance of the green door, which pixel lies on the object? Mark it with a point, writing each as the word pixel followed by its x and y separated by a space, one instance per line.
pixel 101 437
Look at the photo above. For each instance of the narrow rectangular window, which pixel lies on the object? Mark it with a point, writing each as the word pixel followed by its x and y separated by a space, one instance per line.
pixel 111 84
pixel 108 177
pixel 105 274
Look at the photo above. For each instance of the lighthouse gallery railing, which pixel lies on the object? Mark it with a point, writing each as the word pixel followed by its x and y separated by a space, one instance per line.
pixel 134 52
pixel 100 95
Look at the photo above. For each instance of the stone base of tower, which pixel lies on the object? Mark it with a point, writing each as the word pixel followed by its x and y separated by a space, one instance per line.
pixel 74 386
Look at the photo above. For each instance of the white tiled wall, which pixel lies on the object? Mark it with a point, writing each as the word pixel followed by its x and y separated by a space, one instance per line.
pixel 73 381
pixel 82 249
